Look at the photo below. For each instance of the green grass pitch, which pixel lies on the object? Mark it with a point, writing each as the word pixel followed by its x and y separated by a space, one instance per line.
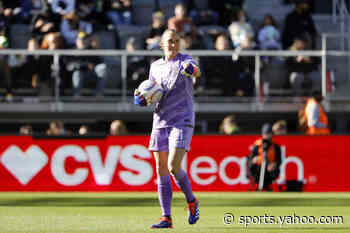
pixel 126 212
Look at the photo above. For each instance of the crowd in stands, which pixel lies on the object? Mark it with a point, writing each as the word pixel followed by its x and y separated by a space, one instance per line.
pixel 73 24
pixel 58 128
pixel 312 120
pixel 228 126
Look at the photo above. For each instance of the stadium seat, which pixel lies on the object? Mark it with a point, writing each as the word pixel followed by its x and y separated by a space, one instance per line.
pixel 20 35
pixel 127 31
pixel 143 10
pixel 107 39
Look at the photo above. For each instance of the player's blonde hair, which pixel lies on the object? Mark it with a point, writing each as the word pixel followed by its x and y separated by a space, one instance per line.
pixel 166 33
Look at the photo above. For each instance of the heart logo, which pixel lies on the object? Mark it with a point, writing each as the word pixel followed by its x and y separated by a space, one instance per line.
pixel 24 165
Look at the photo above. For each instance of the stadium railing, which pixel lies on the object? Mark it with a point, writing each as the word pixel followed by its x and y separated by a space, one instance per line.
pixel 341 14
pixel 258 54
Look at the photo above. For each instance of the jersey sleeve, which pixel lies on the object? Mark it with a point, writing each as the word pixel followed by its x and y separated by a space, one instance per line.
pixel 150 75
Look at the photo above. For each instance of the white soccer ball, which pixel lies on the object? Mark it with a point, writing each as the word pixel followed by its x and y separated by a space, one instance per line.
pixel 151 90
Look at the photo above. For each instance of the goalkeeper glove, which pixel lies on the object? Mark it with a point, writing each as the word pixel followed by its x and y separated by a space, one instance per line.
pixel 188 69
pixel 139 99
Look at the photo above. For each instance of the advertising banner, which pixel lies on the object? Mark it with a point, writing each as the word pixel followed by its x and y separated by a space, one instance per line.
pixel 123 163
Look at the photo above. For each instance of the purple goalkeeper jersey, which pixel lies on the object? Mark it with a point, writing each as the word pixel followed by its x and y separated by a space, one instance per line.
pixel 175 109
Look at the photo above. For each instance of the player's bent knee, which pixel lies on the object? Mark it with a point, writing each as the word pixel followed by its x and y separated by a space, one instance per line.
pixel 173 170
pixel 162 170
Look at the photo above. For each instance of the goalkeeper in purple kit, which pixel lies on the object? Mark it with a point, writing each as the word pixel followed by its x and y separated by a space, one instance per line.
pixel 173 124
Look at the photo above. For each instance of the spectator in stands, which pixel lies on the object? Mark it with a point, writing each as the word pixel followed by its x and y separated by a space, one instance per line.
pixel 240 29
pixel 52 41
pixel 280 127
pixel 119 12
pixel 11 10
pixel 303 74
pixel 192 10
pixel 302 124
pixel 56 128
pixel 71 26
pixel 44 22
pixel 200 17
pixel 42 27
pixel 263 146
pixel 4 23
pixel 229 125
pixel 32 63
pixel 86 67
pixel 85 8
pixel 24 71
pixel 158 27
pixel 48 72
pixel 138 66
pixel 218 71
pixel 63 7
pixel 181 23
pixel 5 68
pixel 118 128
pixel 84 130
pixel 222 42
pixel 299 23
pixel 92 11
pixel 269 36
pixel 26 130
pixel 32 8
pixel 225 9
pixel 186 42
pixel 127 12
pixel 94 41
pixel 244 69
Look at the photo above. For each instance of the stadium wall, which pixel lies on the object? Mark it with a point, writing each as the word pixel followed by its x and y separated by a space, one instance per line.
pixel 123 163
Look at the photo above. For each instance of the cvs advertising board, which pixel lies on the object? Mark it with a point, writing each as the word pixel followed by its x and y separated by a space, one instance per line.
pixel 123 163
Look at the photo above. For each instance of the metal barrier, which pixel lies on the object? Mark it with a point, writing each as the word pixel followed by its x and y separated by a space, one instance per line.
pixel 341 38
pixel 325 40
pixel 341 14
pixel 124 54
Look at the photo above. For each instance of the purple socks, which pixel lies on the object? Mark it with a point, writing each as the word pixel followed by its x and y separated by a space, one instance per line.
pixel 182 181
pixel 165 194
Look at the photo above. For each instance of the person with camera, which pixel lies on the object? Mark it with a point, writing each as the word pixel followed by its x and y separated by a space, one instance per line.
pixel 86 67
pixel 265 148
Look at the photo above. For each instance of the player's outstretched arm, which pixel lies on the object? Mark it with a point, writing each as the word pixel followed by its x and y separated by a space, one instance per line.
pixel 190 70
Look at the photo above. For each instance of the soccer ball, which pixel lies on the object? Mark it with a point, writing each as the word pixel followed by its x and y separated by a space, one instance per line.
pixel 151 90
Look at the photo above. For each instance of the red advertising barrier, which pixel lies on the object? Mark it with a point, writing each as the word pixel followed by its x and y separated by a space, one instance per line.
pixel 123 163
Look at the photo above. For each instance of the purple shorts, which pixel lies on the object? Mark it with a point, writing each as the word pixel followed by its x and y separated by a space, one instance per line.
pixel 164 138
